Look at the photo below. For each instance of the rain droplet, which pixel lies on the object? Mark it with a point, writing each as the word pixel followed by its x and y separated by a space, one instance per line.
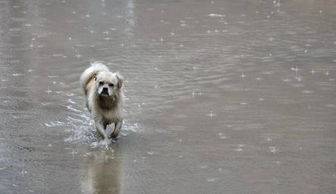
pixel 211 179
pixel 327 73
pixel 216 15
pixel 211 114
pixel 204 166
pixel 240 147
pixel 272 149
pixel 312 71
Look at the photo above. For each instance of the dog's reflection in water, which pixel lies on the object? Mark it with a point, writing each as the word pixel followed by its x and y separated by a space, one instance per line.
pixel 103 173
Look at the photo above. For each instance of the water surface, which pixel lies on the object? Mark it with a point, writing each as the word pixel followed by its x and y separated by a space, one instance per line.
pixel 221 96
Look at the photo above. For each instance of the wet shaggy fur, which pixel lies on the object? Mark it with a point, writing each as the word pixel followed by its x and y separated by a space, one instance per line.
pixel 104 98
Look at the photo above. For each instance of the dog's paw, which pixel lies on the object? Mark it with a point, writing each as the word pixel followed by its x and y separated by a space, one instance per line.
pixel 94 144
pixel 114 134
pixel 116 131
pixel 105 142
pixel 102 144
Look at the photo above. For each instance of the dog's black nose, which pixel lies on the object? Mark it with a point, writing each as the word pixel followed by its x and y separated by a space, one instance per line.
pixel 105 90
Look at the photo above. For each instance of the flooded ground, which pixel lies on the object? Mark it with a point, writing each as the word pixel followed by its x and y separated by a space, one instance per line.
pixel 222 96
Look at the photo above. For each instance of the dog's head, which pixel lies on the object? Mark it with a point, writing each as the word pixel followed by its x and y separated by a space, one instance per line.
pixel 108 84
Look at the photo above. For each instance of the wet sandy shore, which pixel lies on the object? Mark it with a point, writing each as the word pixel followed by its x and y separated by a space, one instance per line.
pixel 222 96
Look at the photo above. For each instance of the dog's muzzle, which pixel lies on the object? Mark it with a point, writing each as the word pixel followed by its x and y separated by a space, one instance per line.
pixel 105 91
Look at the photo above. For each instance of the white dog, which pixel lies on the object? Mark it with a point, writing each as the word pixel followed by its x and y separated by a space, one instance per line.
pixel 104 98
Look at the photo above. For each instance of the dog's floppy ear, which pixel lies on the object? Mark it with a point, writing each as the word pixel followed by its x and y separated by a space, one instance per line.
pixel 120 79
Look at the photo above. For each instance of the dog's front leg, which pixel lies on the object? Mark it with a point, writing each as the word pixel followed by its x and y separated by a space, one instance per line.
pixel 117 128
pixel 100 128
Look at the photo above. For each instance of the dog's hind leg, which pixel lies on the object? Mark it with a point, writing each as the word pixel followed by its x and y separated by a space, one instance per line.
pixel 117 128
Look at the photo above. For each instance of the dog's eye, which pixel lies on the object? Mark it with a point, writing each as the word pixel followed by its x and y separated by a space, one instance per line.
pixel 111 85
pixel 101 83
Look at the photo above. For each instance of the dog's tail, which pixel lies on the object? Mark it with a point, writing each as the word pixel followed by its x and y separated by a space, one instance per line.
pixel 90 73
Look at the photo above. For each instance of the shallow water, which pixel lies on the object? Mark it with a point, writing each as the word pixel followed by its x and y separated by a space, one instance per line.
pixel 221 96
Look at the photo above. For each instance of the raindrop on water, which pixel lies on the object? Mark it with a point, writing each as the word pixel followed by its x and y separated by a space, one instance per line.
pixel 327 73
pixel 211 179
pixel 211 115
pixel 312 71
pixel 272 149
